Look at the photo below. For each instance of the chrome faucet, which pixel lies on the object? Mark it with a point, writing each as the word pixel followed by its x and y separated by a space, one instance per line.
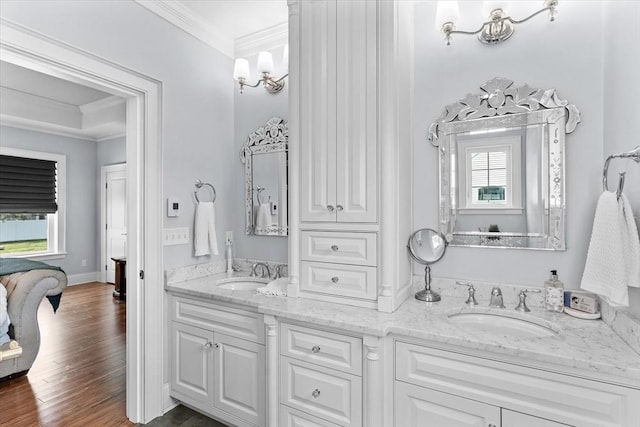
pixel 496 298
pixel 265 270
pixel 522 297
pixel 471 299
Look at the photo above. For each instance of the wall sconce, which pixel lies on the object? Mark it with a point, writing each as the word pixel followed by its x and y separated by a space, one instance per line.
pixel 242 74
pixel 498 28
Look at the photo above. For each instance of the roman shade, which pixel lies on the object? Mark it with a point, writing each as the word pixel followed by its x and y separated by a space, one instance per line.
pixel 27 185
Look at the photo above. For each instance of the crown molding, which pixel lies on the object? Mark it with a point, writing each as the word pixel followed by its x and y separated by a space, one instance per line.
pixel 103 104
pixel 267 39
pixel 44 127
pixel 183 18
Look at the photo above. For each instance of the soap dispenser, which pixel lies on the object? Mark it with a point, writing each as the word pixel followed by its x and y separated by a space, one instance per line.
pixel 554 293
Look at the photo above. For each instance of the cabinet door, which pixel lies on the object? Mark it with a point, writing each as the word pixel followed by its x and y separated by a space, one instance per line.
pixel 191 364
pixel 517 419
pixel 318 110
pixel 239 382
pixel 418 407
pixel 356 140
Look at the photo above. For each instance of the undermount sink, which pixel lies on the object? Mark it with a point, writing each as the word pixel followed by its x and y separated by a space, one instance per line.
pixel 241 283
pixel 504 323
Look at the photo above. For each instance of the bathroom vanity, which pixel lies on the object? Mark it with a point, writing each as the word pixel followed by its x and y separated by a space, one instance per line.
pixel 254 360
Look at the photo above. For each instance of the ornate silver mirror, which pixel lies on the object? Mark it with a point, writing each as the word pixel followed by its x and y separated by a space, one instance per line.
pixel 427 246
pixel 265 171
pixel 502 176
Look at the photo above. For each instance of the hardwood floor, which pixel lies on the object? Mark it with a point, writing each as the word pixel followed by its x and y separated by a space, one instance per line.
pixel 78 378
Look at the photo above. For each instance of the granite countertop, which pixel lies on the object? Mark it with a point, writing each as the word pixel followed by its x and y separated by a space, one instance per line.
pixel 588 348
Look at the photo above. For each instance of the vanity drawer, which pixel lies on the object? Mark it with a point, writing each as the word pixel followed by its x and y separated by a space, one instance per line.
pixel 338 279
pixel 290 417
pixel 344 248
pixel 331 395
pixel 562 398
pixel 219 318
pixel 322 348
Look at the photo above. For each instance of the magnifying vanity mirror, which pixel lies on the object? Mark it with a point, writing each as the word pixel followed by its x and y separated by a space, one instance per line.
pixel 427 246
pixel 265 171
pixel 502 167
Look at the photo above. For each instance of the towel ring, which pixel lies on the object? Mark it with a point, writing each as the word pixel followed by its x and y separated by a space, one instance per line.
pixel 633 155
pixel 199 185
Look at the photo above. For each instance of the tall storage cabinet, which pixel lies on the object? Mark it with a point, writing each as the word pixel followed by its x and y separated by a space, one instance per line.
pixel 351 104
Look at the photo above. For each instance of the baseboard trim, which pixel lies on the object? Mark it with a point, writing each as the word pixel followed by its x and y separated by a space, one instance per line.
pixel 78 279
pixel 168 402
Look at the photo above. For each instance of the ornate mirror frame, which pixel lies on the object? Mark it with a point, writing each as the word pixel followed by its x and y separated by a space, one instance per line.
pixel 500 105
pixel 273 137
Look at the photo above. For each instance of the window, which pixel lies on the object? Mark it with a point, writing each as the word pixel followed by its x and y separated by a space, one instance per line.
pixel 32 226
pixel 489 172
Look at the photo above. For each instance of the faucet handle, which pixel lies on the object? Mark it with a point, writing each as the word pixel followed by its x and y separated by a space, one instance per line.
pixel 253 270
pixel 471 299
pixel 522 299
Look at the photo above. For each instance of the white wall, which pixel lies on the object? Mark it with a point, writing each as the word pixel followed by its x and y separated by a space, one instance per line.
pixel 566 55
pixel 622 102
pixel 81 203
pixel 111 152
pixel 252 109
pixel 197 94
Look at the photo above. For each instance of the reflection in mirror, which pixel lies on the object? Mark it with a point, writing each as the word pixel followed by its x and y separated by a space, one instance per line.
pixel 502 177
pixel 265 158
pixel 427 246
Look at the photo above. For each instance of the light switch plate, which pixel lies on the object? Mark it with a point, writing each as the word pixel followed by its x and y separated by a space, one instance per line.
pixel 175 236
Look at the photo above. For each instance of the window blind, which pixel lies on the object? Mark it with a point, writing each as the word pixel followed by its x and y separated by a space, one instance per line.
pixel 27 185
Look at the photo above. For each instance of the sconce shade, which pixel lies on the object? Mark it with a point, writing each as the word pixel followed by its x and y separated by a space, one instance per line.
pixel 446 11
pixel 265 62
pixel 241 69
pixel 285 57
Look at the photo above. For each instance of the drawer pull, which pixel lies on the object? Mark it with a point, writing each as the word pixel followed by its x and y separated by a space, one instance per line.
pixel 208 344
pixel 315 349
pixel 339 208
pixel 334 248
pixel 335 279
pixel 330 208
pixel 315 393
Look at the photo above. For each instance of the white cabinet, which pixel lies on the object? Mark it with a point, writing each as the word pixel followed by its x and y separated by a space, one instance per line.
pixel 218 360
pixel 462 387
pixel 338 150
pixel 320 378
pixel 350 127
pixel 419 406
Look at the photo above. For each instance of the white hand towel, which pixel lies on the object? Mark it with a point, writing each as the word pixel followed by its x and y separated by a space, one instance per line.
pixel 607 266
pixel 205 240
pixel 4 316
pixel 276 287
pixel 263 216
pixel 630 243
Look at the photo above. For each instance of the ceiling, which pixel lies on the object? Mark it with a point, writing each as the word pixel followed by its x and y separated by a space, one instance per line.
pixel 41 102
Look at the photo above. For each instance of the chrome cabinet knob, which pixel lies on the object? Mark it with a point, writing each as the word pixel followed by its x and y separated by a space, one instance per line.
pixel 330 208
pixel 335 279
pixel 339 208
pixel 217 345
pixel 315 349
pixel 315 393
pixel 334 248
pixel 208 344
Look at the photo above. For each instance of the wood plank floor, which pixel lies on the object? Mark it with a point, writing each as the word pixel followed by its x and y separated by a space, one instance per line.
pixel 79 376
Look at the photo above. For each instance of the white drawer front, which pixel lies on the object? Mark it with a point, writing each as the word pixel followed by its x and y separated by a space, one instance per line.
pixel 323 348
pixel 561 398
pixel 337 279
pixel 220 318
pixel 344 248
pixel 290 417
pixel 332 395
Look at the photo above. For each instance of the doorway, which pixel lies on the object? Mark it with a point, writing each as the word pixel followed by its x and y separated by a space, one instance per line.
pixel 145 360
pixel 113 210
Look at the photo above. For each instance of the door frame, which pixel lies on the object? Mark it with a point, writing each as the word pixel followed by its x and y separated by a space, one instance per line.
pixel 145 341
pixel 102 277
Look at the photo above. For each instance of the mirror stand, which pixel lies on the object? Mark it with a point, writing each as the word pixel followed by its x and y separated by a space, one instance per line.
pixel 427 294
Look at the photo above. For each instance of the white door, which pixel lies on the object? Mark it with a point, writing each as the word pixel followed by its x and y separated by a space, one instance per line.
pixel 192 363
pixel 115 218
pixel 239 383
pixel 420 407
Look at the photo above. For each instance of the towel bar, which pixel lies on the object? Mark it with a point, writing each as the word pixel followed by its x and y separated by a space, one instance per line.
pixel 199 184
